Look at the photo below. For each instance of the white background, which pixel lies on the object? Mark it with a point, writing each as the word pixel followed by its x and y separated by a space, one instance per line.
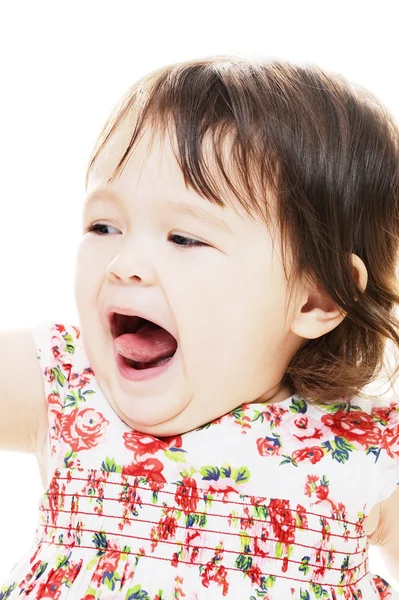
pixel 64 64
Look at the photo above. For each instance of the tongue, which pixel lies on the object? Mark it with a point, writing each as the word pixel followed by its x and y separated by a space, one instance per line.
pixel 148 344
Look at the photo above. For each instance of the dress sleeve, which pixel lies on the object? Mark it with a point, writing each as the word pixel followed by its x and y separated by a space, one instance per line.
pixel 386 464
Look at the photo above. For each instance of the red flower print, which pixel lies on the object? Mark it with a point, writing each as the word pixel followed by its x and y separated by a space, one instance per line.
pixel 108 563
pixel 282 520
pixel 55 499
pixel 219 575
pixel 354 426
pixel 301 514
pixel 390 441
pixel 83 428
pixel 142 443
pixel 173 441
pixel 165 530
pixel 310 484
pixel 52 587
pixel 54 401
pixel 80 380
pixel 382 413
pixel 246 522
pixel 302 422
pixel 383 587
pixel 151 468
pixel 322 492
pixel 268 446
pixel 254 573
pixel 186 495
pixel 313 454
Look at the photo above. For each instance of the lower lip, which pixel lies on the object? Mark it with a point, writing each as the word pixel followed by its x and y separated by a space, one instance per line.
pixel 141 374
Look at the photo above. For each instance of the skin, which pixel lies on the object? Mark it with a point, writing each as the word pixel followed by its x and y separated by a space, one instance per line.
pixel 224 302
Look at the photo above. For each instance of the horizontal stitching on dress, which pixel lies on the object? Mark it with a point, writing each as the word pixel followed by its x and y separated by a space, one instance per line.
pixel 173 543
pixel 355 524
pixel 332 585
pixel 121 518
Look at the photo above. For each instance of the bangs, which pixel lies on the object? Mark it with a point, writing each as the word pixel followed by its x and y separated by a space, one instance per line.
pixel 211 120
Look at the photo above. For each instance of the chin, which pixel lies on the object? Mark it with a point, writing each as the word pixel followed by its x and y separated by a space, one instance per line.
pixel 165 429
pixel 144 421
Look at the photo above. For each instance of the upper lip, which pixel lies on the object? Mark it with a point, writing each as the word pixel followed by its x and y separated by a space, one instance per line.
pixel 136 313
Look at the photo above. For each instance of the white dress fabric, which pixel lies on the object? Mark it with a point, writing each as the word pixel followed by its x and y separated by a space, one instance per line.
pixel 267 501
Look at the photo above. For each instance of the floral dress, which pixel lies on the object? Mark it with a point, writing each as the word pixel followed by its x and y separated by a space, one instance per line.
pixel 266 502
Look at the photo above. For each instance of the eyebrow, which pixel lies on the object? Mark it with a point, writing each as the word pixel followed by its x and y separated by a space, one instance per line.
pixel 176 206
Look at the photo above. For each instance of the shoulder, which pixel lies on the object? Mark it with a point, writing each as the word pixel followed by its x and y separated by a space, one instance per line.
pixel 382 523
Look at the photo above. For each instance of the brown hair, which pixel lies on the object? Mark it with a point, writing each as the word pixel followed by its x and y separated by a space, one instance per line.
pixel 330 153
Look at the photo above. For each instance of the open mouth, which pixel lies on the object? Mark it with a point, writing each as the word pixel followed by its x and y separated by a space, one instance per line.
pixel 142 343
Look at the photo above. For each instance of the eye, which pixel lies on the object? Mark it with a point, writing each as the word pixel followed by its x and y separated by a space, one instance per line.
pixel 98 228
pixel 180 240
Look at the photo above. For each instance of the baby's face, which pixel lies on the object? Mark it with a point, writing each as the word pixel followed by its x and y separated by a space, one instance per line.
pixel 223 302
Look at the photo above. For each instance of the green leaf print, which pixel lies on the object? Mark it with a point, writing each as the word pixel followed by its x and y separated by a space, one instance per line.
pixel 245 542
pixel 62 561
pixel 111 579
pixel 110 466
pixel 304 566
pixel 261 512
pixel 176 454
pixel 59 376
pixel 137 593
pixel 304 595
pixel 73 398
pixel 100 542
pixel 226 471
pixel 333 408
pixel 324 481
pixel 196 519
pixel 210 473
pixel 318 591
pixel 6 592
pixel 298 406
pixel 268 582
pixel 339 449
pixel 279 550
pixel 244 563
pixel 375 451
pixel 343 444
pixel 288 460
pixel 69 459
pixel 241 475
pixel 258 415
pixel 69 345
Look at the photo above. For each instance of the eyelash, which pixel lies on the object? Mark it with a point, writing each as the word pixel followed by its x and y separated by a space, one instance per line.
pixel 191 243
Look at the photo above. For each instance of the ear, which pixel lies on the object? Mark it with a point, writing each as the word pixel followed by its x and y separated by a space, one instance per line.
pixel 317 314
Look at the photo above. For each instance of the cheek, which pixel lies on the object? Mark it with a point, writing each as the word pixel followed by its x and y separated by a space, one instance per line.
pixel 88 274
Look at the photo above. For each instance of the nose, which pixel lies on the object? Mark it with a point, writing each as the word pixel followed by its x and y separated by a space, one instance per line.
pixel 133 262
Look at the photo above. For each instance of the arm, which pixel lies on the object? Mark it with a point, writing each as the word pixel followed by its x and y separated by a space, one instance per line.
pixel 386 534
pixel 23 415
